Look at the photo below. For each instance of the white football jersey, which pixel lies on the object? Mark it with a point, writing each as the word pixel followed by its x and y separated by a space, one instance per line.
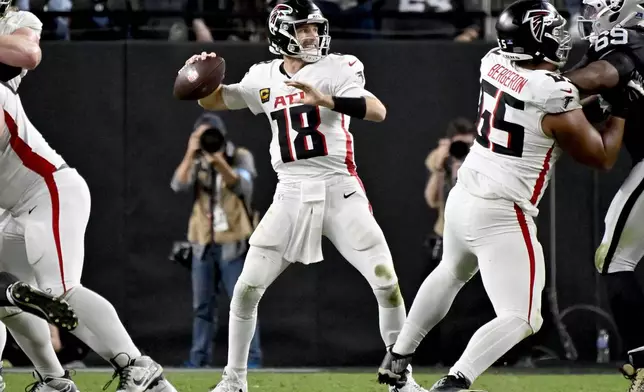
pixel 512 158
pixel 12 21
pixel 308 142
pixel 25 156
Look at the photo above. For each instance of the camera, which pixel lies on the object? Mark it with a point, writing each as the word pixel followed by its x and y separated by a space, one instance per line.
pixel 459 149
pixel 212 141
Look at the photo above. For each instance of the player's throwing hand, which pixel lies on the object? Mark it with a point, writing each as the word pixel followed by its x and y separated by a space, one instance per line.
pixel 312 96
pixel 200 57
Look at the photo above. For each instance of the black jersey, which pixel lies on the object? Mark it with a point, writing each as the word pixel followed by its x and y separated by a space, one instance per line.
pixel 624 49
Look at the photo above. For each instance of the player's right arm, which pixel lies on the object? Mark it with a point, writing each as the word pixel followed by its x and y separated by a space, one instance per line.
pixel 582 141
pixel 214 101
pixel 228 96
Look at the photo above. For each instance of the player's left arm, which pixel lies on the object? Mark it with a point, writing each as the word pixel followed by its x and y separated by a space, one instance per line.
pixel 349 97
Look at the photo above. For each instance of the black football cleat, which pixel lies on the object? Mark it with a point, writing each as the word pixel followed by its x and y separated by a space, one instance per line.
pixel 452 384
pixel 54 310
pixel 393 370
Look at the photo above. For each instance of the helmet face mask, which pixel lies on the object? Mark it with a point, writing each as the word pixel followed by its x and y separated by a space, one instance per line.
pixel 283 23
pixel 533 30
pixel 4 6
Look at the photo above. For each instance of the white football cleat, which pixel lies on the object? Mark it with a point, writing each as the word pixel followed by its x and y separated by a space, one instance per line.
pixel 231 382
pixel 140 374
pixel 52 384
pixel 162 386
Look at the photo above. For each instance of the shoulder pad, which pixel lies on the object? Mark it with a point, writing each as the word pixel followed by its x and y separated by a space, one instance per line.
pixel 345 61
pixel 554 93
pixel 20 19
pixel 257 69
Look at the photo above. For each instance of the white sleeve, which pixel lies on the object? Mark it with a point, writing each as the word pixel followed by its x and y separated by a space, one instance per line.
pixel 28 20
pixel 242 95
pixel 351 79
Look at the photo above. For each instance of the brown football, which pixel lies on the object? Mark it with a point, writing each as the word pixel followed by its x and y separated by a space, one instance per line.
pixel 199 79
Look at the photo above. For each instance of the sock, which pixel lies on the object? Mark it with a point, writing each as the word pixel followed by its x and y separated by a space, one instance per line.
pixel 3 340
pixel 391 312
pixel 626 302
pixel 34 338
pixel 391 323
pixel 242 323
pixel 488 344
pixel 6 280
pixel 99 325
pixel 432 302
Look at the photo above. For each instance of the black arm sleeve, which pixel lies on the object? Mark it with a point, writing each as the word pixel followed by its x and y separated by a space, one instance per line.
pixel 7 72
pixel 623 64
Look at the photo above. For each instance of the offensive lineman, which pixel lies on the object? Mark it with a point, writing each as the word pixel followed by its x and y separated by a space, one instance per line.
pixel 528 114
pixel 616 58
pixel 18 53
pixel 49 205
pixel 309 97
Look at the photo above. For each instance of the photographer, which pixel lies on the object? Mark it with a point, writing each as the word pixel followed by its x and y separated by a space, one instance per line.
pixel 221 177
pixel 443 164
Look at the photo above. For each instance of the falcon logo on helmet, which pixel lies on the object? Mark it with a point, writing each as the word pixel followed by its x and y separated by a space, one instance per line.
pixel 280 11
pixel 538 20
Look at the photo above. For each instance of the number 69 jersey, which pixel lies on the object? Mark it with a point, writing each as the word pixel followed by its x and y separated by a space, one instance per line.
pixel 624 48
pixel 512 157
pixel 308 142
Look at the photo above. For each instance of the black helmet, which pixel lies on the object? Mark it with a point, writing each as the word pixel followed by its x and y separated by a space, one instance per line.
pixel 533 30
pixel 282 23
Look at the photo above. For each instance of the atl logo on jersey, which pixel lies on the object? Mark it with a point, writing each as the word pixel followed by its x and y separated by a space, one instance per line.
pixel 538 19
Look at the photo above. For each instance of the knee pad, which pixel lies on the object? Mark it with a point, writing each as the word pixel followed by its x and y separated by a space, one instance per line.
pixel 66 295
pixel 536 323
pixel 532 326
pixel 245 300
pixel 389 296
pixel 449 271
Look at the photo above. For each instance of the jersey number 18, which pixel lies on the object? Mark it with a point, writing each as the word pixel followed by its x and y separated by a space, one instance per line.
pixel 309 141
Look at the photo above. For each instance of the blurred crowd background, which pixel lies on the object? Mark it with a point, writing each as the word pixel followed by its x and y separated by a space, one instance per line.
pixel 244 20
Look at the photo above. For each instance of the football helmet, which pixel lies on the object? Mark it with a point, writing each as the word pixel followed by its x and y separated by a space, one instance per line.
pixel 533 30
pixel 282 30
pixel 602 15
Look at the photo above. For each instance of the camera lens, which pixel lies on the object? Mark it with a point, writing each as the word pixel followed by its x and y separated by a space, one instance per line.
pixel 211 140
pixel 459 149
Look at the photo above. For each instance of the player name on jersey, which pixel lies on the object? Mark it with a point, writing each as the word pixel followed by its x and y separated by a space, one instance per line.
pixel 507 78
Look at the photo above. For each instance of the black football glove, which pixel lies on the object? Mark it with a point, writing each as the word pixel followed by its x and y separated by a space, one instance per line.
pixel 621 99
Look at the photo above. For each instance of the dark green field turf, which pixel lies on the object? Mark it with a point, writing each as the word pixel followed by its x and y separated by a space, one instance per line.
pixel 353 382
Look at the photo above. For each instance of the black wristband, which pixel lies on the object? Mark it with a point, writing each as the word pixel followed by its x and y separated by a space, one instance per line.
pixel 8 72
pixel 354 107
